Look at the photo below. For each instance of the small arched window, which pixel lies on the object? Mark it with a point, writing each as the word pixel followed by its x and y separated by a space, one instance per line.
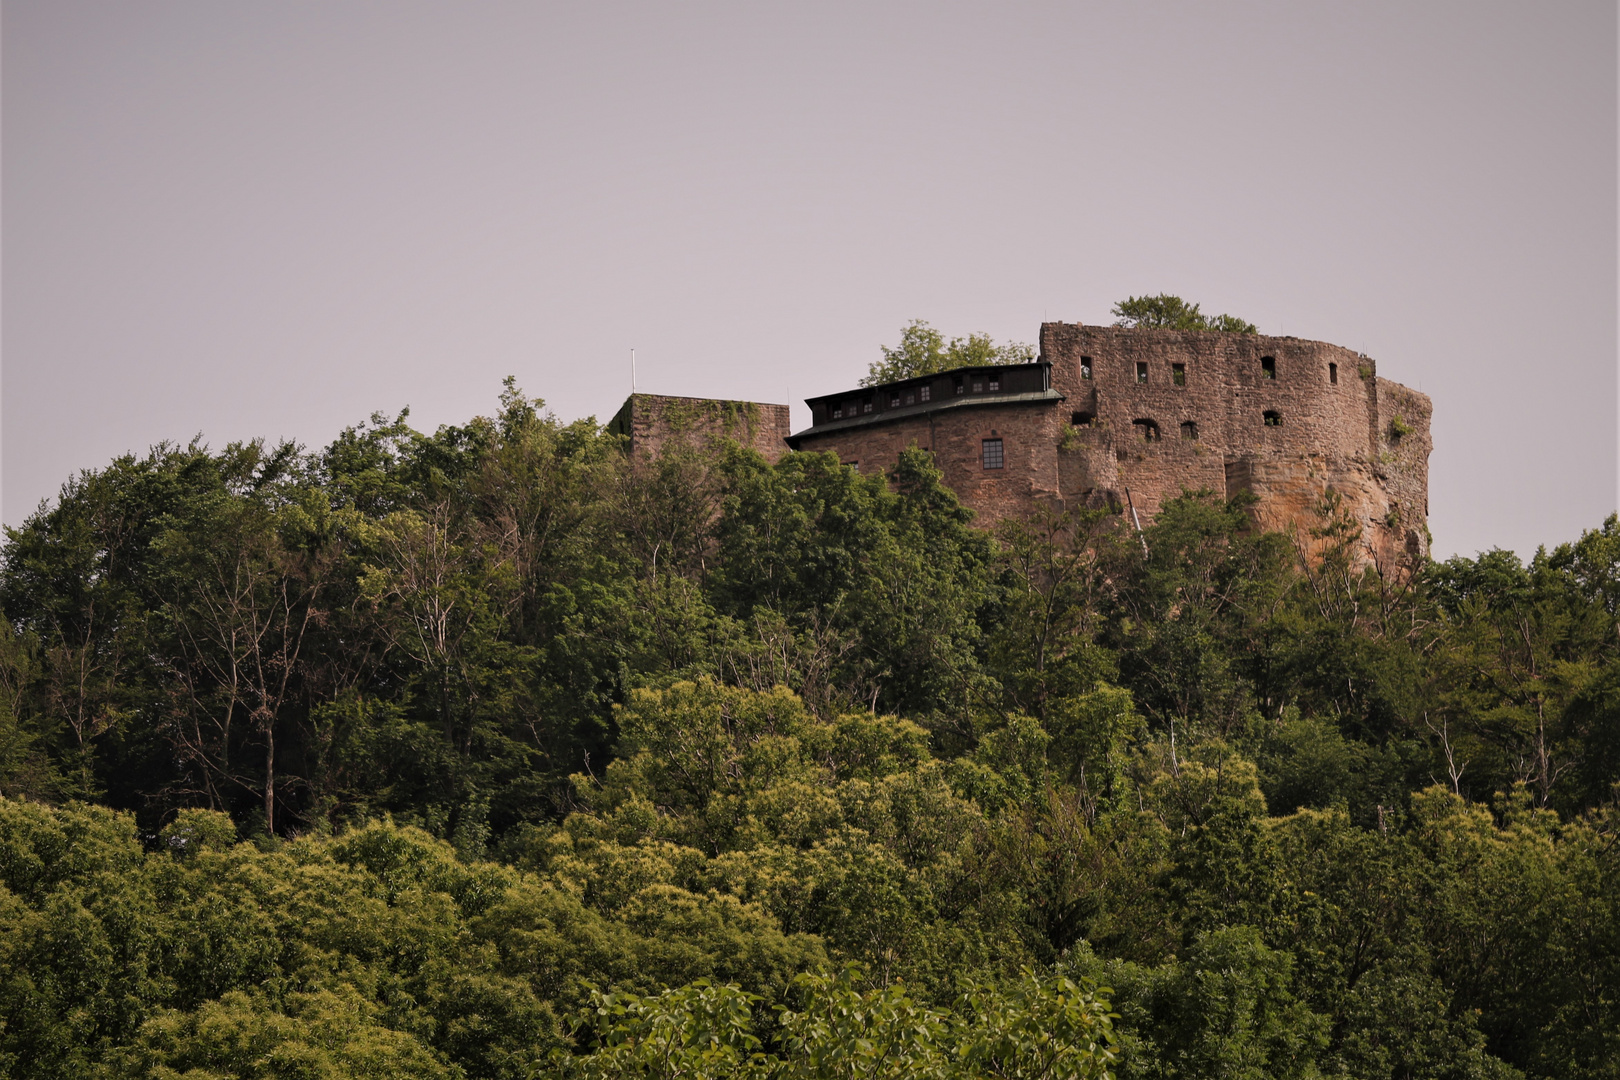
pixel 1148 428
pixel 1273 418
pixel 1189 429
pixel 1081 419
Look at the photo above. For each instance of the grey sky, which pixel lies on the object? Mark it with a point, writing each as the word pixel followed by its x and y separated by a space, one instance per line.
pixel 273 219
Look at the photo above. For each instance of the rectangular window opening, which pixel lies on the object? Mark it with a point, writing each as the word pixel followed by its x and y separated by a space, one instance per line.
pixel 1189 429
pixel 1268 367
pixel 1085 367
pixel 1178 374
pixel 1333 374
pixel 1141 371
pixel 993 458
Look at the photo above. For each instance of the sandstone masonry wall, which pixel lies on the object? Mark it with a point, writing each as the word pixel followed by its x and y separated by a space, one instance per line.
pixel 1029 448
pixel 653 423
pixel 1281 417
pixel 1135 417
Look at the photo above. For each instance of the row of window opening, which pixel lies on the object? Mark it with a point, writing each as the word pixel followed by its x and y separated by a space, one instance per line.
pixel 993 454
pixel 916 394
pixel 1178 372
pixel 1149 429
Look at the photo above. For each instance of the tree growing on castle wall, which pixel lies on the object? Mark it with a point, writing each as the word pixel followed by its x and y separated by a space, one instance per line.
pixel 924 351
pixel 1166 312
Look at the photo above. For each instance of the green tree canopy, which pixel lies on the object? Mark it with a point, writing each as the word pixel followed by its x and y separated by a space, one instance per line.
pixel 1166 312
pixel 924 351
pixel 496 753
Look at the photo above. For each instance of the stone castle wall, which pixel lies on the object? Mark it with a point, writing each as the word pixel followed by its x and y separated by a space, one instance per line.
pixel 1030 451
pixel 654 423
pixel 1333 425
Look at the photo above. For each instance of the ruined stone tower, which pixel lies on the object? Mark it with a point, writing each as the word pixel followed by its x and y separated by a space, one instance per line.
pixel 652 423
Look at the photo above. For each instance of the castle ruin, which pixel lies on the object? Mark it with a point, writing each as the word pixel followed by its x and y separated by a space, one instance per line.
pixel 1124 419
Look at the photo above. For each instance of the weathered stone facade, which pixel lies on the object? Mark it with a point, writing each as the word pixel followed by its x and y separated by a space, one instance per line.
pixel 1128 418
pixel 652 423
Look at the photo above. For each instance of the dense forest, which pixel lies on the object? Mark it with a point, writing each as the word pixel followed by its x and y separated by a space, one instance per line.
pixel 492 753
